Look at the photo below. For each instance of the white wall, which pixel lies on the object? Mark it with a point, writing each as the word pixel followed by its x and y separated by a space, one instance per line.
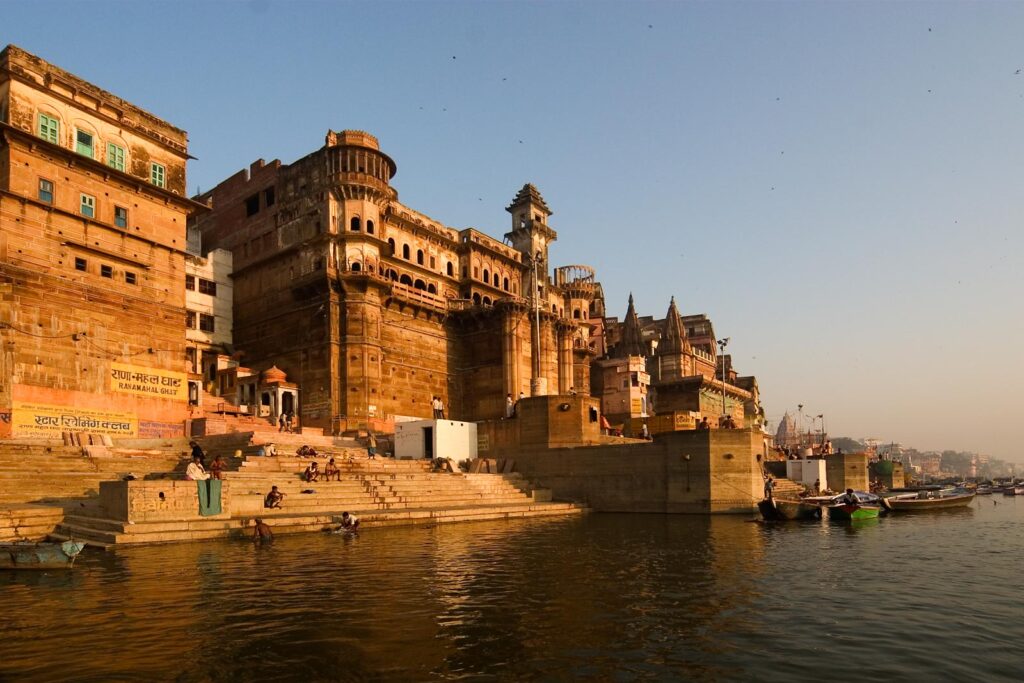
pixel 451 439
pixel 805 471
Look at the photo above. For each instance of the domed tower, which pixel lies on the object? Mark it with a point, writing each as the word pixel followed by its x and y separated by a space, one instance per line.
pixel 360 176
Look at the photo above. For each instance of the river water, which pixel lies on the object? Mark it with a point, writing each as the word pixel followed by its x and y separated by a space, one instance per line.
pixel 605 597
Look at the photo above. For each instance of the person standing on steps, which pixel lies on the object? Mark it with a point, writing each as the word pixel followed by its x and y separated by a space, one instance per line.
pixel 371 445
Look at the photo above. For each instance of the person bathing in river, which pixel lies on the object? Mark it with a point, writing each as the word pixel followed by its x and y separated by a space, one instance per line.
pixel 261 533
pixel 348 522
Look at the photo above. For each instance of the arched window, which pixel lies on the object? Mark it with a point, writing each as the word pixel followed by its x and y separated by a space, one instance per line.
pixel 487 301
pixel 405 251
pixel 476 298
pixel 576 314
pixel 554 308
pixel 487 276
pixel 356 267
pixel 393 274
pixel 355 224
pixel 476 273
pixel 369 226
pixel 420 284
pixel 391 243
pixel 431 288
pixel 513 288
pixel 451 269
pixel 496 279
pixel 504 284
pixel 405 280
pixel 419 256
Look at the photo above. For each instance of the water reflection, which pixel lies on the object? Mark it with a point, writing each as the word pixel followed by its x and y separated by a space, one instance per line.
pixel 606 597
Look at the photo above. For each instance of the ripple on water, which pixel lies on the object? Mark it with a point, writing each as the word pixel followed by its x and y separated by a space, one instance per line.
pixel 606 597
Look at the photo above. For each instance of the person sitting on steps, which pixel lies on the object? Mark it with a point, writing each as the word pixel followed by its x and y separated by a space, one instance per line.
pixel 331 470
pixel 273 499
pixel 312 473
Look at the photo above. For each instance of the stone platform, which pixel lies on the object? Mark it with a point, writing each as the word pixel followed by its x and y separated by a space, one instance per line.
pixel 381 492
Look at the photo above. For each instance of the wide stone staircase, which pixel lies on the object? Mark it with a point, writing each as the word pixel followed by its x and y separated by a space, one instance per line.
pixel 40 483
pixel 381 492
pixel 787 489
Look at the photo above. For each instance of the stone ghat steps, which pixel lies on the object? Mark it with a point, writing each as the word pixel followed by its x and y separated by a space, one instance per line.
pixel 360 463
pixel 28 522
pixel 107 533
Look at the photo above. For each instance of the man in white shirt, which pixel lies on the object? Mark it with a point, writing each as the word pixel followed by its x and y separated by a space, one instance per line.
pixel 195 470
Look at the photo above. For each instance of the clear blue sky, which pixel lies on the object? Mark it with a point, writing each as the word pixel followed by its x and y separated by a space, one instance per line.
pixel 836 184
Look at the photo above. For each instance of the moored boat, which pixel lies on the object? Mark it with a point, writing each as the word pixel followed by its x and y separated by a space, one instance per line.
pixel 783 509
pixel 942 500
pixel 1013 491
pixel 853 511
pixel 39 555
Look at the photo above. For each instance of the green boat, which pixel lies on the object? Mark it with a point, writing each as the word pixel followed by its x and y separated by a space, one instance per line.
pixel 853 512
pixel 39 555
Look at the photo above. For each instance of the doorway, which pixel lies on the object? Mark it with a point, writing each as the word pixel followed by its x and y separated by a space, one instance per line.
pixel 428 442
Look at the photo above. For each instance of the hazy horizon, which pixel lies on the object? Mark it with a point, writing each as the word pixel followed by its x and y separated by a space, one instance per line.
pixel 834 184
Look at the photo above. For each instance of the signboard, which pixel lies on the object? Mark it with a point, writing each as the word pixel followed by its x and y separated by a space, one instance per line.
pixel 47 421
pixel 149 382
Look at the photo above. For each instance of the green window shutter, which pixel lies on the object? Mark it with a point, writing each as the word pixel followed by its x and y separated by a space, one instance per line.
pixel 115 156
pixel 49 128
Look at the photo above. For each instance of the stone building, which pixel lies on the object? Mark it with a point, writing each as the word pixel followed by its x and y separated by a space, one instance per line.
pixel 374 308
pixel 675 374
pixel 208 313
pixel 92 258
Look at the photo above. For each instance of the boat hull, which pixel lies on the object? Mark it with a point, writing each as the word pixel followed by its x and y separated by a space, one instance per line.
pixel 853 512
pixel 928 504
pixel 39 555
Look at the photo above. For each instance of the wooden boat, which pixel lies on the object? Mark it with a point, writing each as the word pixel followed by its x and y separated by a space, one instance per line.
pixel 853 512
pixel 942 500
pixel 783 509
pixel 1013 491
pixel 39 555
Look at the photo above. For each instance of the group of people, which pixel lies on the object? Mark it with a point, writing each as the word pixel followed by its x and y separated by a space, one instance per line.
pixel 438 407
pixel 314 473
pixel 196 470
pixel 512 405
pixel 261 532
pixel 285 421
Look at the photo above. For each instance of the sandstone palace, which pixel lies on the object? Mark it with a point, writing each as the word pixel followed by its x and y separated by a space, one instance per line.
pixel 304 288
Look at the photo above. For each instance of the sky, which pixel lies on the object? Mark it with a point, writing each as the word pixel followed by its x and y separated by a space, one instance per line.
pixel 836 184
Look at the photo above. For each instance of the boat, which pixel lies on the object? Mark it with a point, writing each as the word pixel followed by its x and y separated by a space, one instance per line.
pixel 39 555
pixel 868 506
pixel 984 490
pixel 929 500
pixel 783 509
pixel 1014 490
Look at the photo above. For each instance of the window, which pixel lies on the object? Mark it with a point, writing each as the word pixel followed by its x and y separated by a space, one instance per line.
pixel 369 226
pixel 205 322
pixel 83 143
pixel 405 251
pixel 88 207
pixel 252 204
pixel 158 175
pixel 45 191
pixel 433 263
pixel 487 276
pixel 391 243
pixel 451 269
pixel 120 217
pixel 80 264
pixel 115 156
pixel 268 197
pixel 190 282
pixel 354 224
pixel 419 256
pixel 207 287
pixel 190 320
pixel 129 277
pixel 106 271
pixel 49 128
pixel 190 358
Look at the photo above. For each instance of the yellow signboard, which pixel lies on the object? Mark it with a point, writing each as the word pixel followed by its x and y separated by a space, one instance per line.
pixel 149 382
pixel 46 421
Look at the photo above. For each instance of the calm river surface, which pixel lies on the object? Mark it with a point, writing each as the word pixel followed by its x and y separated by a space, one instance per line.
pixel 605 597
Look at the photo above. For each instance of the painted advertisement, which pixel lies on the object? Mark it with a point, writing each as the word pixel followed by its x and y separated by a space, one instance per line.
pixel 149 382
pixel 48 421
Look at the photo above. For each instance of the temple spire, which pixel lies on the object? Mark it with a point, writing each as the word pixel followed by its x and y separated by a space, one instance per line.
pixel 632 343
pixel 673 337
